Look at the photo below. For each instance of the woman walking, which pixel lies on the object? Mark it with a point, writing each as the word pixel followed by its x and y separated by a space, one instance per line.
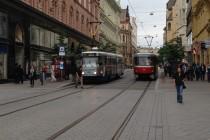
pixel 179 77
pixel 32 75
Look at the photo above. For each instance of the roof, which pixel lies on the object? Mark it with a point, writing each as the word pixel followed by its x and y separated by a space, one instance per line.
pixel 102 53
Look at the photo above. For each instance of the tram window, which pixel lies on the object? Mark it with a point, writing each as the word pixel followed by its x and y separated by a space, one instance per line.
pixel 90 62
pixel 143 61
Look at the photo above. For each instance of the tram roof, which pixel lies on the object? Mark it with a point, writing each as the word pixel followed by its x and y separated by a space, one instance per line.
pixel 102 53
pixel 137 54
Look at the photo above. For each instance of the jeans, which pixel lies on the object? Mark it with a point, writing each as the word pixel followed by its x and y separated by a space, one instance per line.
pixel 179 89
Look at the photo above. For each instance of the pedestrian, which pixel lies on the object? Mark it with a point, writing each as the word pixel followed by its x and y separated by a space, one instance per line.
pixel 53 79
pixel 32 75
pixel 20 74
pixel 43 74
pixel 15 73
pixel 73 70
pixel 203 72
pixel 165 70
pixel 197 72
pixel 179 83
pixel 79 77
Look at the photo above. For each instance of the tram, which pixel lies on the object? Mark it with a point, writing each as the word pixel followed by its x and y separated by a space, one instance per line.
pixel 99 65
pixel 146 64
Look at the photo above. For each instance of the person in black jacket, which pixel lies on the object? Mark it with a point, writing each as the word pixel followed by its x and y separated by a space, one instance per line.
pixel 179 77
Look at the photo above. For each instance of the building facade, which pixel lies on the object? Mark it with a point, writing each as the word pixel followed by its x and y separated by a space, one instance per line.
pixel 134 33
pixel 126 37
pixel 201 31
pixel 110 26
pixel 31 29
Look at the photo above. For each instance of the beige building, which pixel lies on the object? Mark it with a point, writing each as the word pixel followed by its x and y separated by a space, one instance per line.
pixel 201 31
pixel 176 21
pixel 110 27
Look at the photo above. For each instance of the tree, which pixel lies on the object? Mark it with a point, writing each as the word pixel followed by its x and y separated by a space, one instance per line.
pixel 171 53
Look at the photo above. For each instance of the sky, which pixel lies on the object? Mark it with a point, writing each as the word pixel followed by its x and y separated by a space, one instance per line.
pixel 148 25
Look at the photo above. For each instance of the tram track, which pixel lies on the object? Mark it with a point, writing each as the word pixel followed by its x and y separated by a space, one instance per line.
pixel 6 113
pixel 35 96
pixel 40 103
pixel 127 119
pixel 87 115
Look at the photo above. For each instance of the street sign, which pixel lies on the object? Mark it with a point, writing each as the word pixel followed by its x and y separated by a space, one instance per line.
pixel 61 65
pixel 207 43
pixel 61 51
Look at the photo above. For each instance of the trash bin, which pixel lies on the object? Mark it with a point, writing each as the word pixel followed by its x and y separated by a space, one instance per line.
pixel 208 73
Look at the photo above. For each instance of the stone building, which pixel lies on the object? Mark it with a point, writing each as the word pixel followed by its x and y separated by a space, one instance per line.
pixel 126 37
pixel 201 31
pixel 30 30
pixel 110 26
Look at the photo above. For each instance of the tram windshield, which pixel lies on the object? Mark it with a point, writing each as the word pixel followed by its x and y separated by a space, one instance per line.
pixel 90 62
pixel 143 61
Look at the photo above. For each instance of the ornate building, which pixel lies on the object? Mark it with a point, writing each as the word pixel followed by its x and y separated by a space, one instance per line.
pixel 110 27
pixel 30 30
pixel 126 37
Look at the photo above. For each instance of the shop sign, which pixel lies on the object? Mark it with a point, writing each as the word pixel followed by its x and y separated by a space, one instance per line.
pixel 3 50
pixel 61 51
pixel 61 65
pixel 207 44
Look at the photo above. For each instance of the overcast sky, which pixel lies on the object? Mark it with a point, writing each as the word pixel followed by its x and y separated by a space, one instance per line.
pixel 148 24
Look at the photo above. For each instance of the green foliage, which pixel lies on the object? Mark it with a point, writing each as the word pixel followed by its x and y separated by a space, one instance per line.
pixel 172 53
pixel 107 47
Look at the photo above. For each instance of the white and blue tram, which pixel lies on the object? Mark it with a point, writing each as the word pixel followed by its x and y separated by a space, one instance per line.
pixel 99 65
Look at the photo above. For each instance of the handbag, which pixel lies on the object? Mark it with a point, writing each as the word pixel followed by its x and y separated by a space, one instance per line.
pixel 184 86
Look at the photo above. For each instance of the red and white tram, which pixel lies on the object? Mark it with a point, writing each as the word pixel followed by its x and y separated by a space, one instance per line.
pixel 146 64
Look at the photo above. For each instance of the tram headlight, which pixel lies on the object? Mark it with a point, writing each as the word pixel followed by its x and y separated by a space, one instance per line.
pixel 83 73
pixel 94 72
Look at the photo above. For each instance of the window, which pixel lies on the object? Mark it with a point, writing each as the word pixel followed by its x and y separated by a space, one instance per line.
pixel 169 26
pixel 77 16
pixel 3 25
pixel 82 19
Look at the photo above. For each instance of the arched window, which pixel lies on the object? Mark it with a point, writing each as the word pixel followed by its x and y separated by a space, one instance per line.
pixel 63 11
pixel 71 15
pixel 169 26
pixel 77 16
pixel 82 19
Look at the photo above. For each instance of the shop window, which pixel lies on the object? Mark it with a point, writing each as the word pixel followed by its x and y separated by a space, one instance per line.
pixel 35 39
pixel 18 34
pixel 3 25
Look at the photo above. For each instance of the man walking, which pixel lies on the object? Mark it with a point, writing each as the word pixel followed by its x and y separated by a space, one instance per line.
pixel 79 77
pixel 179 83
pixel 203 72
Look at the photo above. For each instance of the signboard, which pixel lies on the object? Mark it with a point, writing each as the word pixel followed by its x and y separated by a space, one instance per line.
pixel 61 65
pixel 207 44
pixel 61 51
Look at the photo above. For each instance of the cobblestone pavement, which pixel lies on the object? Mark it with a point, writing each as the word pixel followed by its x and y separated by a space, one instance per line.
pixel 158 116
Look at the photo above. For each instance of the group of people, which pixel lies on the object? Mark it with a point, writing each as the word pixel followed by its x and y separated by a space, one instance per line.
pixel 76 73
pixel 33 75
pixel 185 71
pixel 190 72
